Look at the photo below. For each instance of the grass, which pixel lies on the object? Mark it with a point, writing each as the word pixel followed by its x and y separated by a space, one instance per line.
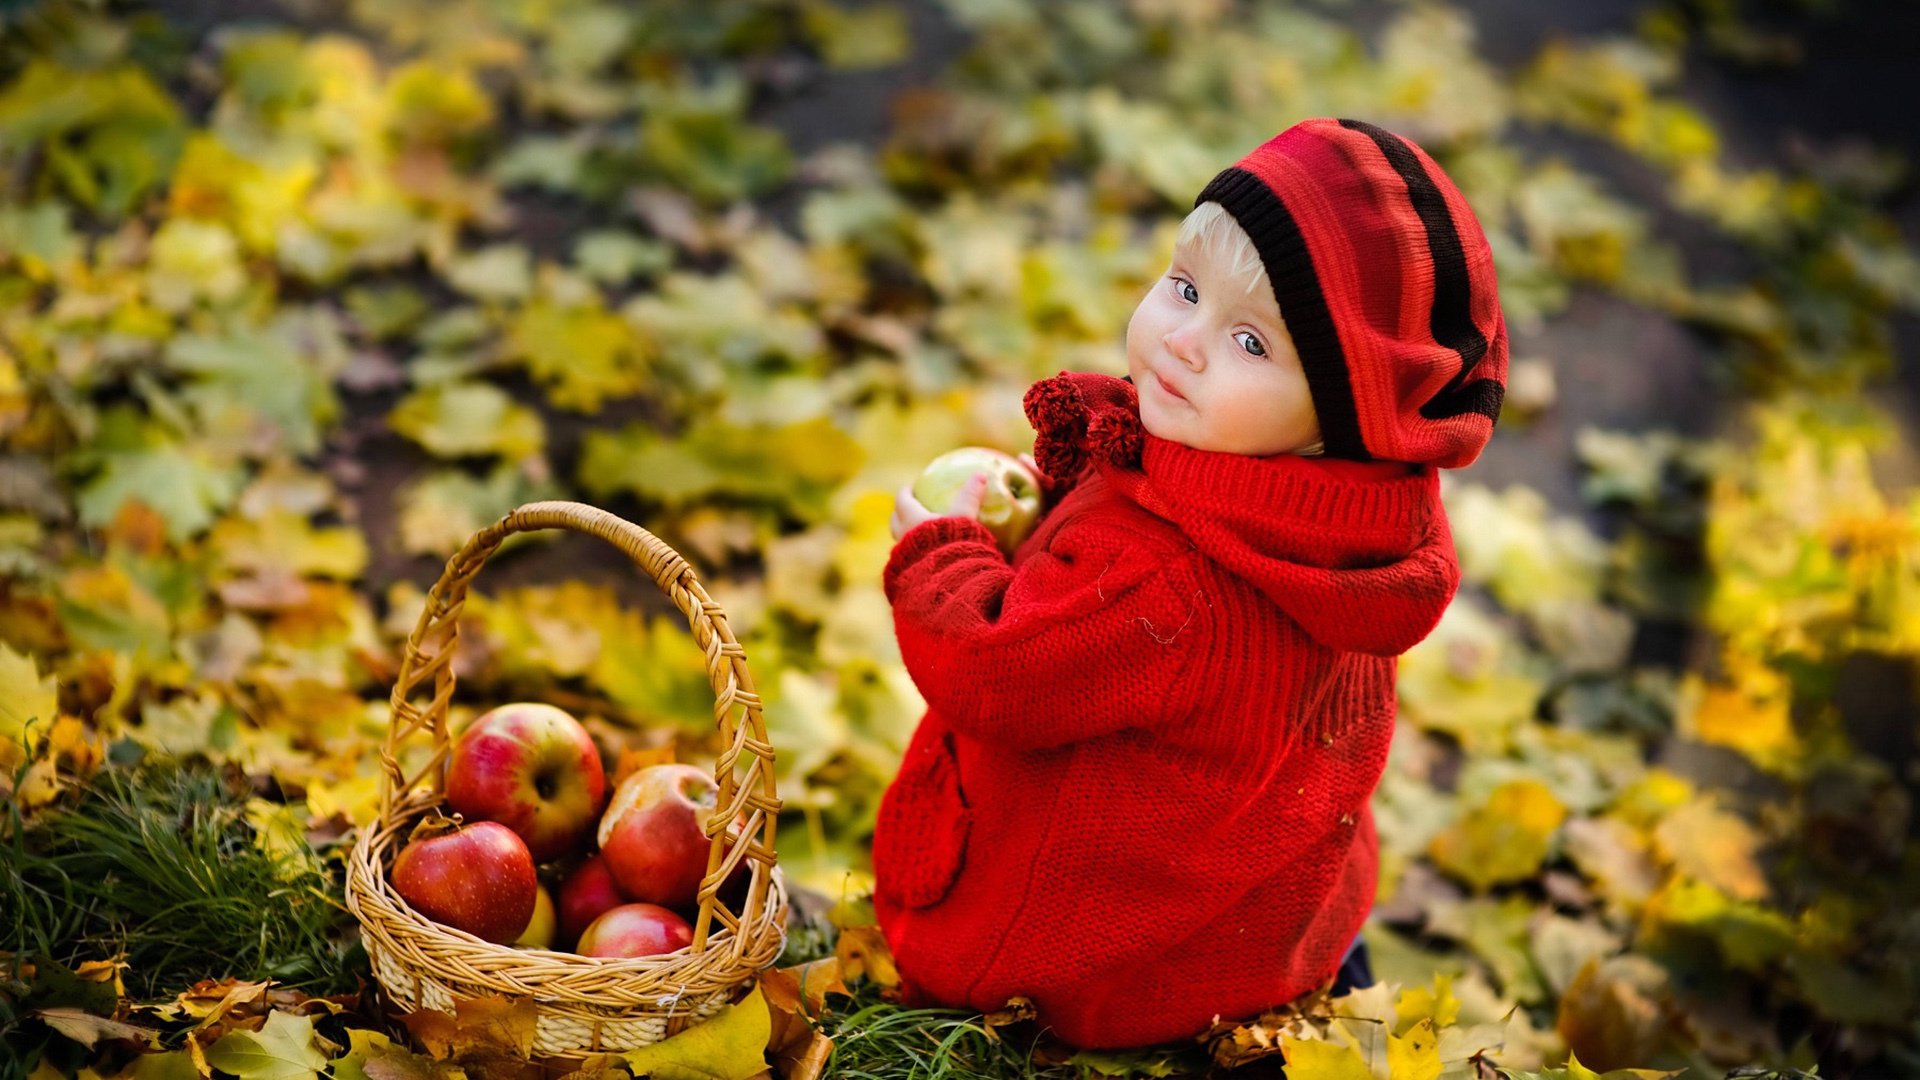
pixel 878 1040
pixel 156 862
pixel 874 1039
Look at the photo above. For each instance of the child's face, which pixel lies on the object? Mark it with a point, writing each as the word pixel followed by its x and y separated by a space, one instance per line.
pixel 1213 363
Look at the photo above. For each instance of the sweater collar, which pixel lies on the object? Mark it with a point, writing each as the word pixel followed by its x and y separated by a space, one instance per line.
pixel 1317 535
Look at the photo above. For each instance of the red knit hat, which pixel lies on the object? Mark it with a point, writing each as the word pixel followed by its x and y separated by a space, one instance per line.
pixel 1386 284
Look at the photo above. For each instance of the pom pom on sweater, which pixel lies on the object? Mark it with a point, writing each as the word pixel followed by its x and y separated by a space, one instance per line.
pixel 1077 416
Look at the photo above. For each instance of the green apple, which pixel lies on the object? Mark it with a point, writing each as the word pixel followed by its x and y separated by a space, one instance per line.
pixel 1009 508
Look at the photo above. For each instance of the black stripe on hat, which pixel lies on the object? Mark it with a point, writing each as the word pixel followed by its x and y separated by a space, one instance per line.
pixel 1296 286
pixel 1451 321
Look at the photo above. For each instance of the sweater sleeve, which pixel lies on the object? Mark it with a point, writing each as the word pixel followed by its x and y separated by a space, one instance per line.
pixel 1093 636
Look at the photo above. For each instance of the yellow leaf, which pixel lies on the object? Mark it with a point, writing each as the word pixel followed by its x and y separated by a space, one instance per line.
pixel 1749 713
pixel 392 1062
pixel 1437 1004
pixel 730 1045
pixel 1713 845
pixel 583 354
pixel 356 797
pixel 1506 839
pixel 1316 1059
pixel 496 1022
pixel 864 951
pixel 25 698
pixel 1415 1055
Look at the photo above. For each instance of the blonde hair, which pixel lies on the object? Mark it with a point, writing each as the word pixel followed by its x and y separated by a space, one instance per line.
pixel 1211 229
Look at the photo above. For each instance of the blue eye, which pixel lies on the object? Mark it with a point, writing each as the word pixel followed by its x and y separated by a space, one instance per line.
pixel 1187 292
pixel 1251 343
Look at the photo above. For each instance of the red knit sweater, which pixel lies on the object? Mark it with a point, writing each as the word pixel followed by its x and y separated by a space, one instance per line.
pixel 1139 795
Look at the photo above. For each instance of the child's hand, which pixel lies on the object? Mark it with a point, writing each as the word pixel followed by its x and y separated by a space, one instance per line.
pixel 907 511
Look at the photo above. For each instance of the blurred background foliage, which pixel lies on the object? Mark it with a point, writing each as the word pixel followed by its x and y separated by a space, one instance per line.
pixel 293 298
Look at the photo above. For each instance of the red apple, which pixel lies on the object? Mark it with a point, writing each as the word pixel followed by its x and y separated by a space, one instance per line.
pixel 586 894
pixel 652 834
pixel 1009 508
pixel 534 769
pixel 635 930
pixel 478 878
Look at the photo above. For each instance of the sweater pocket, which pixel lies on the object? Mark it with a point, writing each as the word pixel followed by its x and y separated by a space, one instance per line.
pixel 920 837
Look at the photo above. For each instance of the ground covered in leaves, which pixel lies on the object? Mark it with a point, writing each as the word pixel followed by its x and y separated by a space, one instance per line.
pixel 290 306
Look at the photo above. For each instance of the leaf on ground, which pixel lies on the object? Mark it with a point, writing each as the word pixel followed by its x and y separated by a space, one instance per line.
pixel 1318 1059
pixel 87 1029
pixel 871 35
pixel 440 509
pixel 260 389
pixel 730 1045
pixel 1435 1003
pixel 796 465
pixel 469 419
pixel 25 697
pixel 582 353
pixel 1614 1010
pixel 1505 839
pixel 796 999
pixel 1414 1055
pixel 183 483
pixel 496 1022
pixel 862 951
pixel 371 1055
pixel 1576 1071
pixel 803 988
pixel 281 1050
pixel 1716 846
pixel 502 272
pixel 171 1065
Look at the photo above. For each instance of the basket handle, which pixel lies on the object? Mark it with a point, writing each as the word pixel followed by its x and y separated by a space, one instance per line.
pixel 429 655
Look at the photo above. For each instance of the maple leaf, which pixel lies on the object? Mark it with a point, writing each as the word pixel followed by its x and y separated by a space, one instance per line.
pixel 371 1055
pixel 730 1045
pixel 26 698
pixel 135 460
pixel 454 420
pixel 281 1050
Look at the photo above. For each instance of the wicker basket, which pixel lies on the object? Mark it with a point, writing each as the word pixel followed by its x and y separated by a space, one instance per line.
pixel 585 1005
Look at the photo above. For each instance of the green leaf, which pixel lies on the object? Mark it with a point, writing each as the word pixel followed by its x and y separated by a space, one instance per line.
pixel 798 465
pixel 613 257
pixel 258 387
pixel 109 135
pixel 182 483
pixel 874 35
pixel 700 141
pixel 282 1050
pixel 454 420
pixel 172 1065
pixel 38 236
pixel 501 272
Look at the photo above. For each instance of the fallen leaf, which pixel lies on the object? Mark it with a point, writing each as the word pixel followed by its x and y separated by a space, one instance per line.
pixel 281 1050
pixel 86 1029
pixel 863 951
pixel 730 1045
pixel 1317 1059
pixel 371 1055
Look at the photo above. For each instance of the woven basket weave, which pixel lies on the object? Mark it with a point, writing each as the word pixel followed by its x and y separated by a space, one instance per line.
pixel 585 1005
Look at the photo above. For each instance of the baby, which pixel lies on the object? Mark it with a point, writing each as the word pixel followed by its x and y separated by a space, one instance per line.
pixel 1140 794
